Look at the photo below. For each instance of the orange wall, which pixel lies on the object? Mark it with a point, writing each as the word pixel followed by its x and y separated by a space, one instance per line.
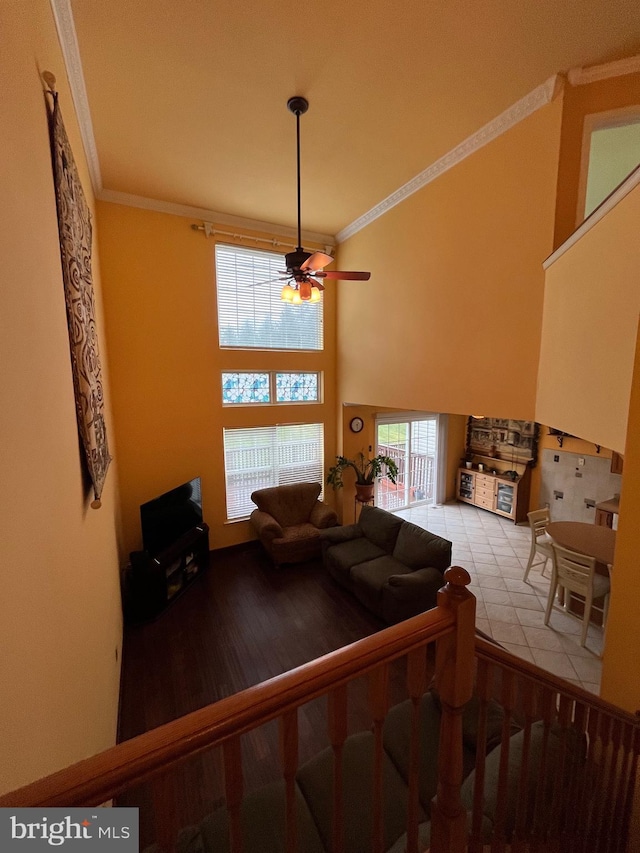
pixel 161 317
pixel 579 102
pixel 620 682
pixel 591 311
pixel 450 321
pixel 60 617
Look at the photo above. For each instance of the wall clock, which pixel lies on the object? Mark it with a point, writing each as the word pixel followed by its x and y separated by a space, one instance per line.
pixel 356 424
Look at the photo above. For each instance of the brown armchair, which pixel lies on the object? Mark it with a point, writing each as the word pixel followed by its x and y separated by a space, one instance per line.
pixel 289 519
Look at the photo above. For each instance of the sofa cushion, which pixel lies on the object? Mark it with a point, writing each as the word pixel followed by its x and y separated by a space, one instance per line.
pixel 375 573
pixel 380 527
pixel 315 779
pixel 564 753
pixel 348 554
pixel 298 532
pixel 417 548
pixel 263 826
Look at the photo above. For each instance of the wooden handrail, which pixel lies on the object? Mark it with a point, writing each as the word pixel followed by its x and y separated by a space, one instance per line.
pixel 97 779
pixel 495 654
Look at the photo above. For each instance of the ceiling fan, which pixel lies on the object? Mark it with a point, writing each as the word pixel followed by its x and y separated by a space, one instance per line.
pixel 305 270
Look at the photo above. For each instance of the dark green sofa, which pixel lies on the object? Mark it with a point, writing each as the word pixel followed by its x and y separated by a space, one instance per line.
pixel 392 566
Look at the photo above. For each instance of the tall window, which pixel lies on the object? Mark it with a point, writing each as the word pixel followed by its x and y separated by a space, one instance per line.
pixel 250 312
pixel 269 456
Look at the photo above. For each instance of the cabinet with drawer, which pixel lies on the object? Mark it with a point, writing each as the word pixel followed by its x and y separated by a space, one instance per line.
pixel 509 498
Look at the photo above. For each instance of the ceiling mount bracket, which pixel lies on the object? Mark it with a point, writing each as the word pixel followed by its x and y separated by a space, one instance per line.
pixel 298 105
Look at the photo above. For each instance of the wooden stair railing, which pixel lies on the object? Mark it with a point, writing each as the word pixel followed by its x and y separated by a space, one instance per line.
pixel 100 778
pixel 571 787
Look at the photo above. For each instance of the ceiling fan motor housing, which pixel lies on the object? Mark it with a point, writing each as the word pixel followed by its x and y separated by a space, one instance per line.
pixel 294 260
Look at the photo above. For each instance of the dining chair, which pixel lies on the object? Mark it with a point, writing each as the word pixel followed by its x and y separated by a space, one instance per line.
pixel 541 542
pixel 577 573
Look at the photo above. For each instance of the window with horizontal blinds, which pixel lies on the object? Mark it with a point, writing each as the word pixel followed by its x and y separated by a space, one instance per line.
pixel 250 311
pixel 260 457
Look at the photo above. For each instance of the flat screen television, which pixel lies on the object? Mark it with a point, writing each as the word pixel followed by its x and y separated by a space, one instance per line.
pixel 168 517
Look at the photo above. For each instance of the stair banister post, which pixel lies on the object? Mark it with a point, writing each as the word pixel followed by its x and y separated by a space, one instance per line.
pixel 455 666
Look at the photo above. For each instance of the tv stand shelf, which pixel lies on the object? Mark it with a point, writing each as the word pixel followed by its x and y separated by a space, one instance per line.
pixel 157 581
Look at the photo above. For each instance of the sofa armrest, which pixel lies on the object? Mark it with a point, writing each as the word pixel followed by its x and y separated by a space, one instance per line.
pixel 265 525
pixel 322 516
pixel 420 585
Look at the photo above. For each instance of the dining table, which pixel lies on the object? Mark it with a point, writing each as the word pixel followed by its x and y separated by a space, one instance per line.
pixel 594 540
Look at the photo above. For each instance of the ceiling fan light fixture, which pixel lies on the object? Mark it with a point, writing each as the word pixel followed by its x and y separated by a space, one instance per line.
pixel 305 291
pixel 287 293
pixel 295 299
pixel 316 296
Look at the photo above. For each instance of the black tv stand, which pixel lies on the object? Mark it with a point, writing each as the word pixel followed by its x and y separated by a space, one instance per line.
pixel 155 582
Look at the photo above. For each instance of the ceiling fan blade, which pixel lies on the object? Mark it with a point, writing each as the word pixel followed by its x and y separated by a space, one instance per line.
pixel 316 262
pixel 270 281
pixel 345 276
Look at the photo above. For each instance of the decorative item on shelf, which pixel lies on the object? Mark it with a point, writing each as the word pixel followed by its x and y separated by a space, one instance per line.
pixel 367 472
pixel 512 474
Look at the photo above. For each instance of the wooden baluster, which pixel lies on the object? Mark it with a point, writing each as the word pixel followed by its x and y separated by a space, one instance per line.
pixel 580 790
pixel 633 776
pixel 378 702
pixel 591 772
pixel 521 825
pixel 455 661
pixel 289 758
pixel 416 687
pixel 233 786
pixel 617 822
pixel 483 689
pixel 601 782
pixel 498 841
pixel 539 817
pixel 560 801
pixel 613 789
pixel 575 789
pixel 337 722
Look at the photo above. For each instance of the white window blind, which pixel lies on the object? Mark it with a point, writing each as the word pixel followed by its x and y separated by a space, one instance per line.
pixel 260 457
pixel 251 314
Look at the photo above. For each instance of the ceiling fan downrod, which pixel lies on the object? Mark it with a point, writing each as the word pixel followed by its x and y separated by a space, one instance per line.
pixel 298 106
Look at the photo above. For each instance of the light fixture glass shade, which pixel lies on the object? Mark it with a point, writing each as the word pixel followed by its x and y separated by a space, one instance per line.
pixel 296 300
pixel 305 290
pixel 315 295
pixel 287 293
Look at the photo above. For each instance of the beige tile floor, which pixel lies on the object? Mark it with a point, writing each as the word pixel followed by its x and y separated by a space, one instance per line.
pixel 495 552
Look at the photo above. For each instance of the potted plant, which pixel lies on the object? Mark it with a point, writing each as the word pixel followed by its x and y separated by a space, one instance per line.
pixel 367 472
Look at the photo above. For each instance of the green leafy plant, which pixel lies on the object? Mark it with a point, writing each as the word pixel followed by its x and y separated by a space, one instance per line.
pixel 367 470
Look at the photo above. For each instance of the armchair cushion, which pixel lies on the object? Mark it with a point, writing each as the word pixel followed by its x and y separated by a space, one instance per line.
pixel 290 504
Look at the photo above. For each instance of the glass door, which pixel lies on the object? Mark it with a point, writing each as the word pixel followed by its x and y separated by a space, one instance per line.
pixel 413 446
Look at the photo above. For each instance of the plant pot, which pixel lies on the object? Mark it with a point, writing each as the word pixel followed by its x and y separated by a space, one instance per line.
pixel 468 464
pixel 364 492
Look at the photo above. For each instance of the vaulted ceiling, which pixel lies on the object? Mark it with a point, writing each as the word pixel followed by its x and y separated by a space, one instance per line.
pixel 188 99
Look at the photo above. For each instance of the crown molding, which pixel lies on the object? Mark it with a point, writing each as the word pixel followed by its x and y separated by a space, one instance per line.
pixel 65 26
pixel 582 76
pixel 188 212
pixel 539 97
pixel 599 213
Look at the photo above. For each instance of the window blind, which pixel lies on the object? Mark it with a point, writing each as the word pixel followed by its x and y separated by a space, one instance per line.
pixel 251 313
pixel 260 457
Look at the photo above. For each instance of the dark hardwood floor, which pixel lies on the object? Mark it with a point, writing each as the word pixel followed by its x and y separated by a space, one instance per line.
pixel 242 622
